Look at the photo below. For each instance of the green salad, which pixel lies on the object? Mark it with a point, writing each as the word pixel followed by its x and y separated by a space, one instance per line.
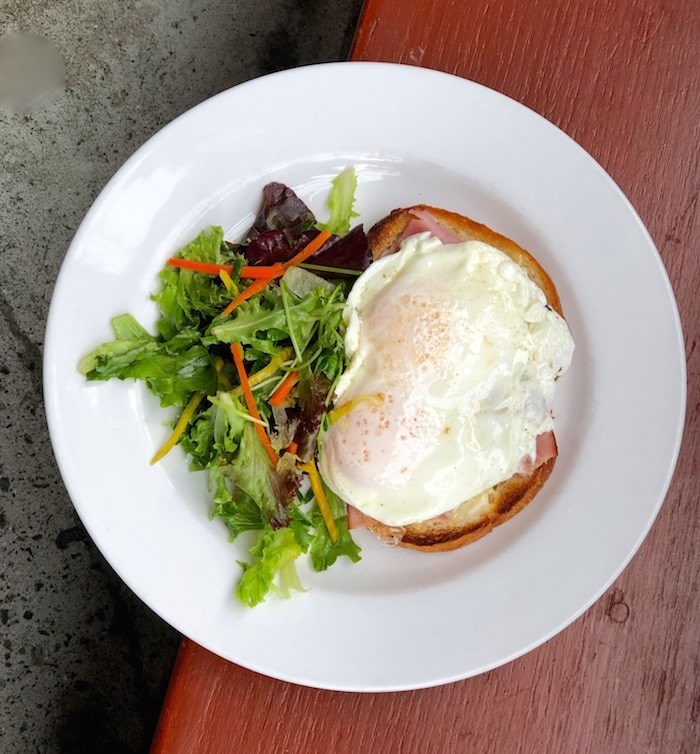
pixel 249 347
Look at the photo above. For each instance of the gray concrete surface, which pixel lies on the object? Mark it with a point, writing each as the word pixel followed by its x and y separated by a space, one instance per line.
pixel 85 663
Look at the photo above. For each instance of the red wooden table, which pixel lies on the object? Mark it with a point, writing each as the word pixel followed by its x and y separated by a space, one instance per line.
pixel 623 79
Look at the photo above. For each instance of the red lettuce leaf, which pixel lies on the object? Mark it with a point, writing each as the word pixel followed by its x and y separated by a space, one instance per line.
pixel 285 225
pixel 350 251
pixel 282 210
pixel 308 413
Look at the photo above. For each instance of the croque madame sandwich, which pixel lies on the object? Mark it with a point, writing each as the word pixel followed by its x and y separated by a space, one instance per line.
pixel 442 422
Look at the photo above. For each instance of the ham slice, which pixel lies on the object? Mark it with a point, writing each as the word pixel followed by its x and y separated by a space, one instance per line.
pixel 422 221
pixel 357 519
pixel 546 450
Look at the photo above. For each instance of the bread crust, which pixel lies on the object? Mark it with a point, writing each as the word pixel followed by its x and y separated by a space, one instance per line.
pixel 478 516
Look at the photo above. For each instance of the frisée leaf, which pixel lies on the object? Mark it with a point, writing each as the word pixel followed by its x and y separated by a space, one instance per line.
pixel 186 298
pixel 341 201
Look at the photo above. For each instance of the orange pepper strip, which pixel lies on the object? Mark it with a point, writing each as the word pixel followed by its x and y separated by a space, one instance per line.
pixel 237 354
pixel 292 448
pixel 285 387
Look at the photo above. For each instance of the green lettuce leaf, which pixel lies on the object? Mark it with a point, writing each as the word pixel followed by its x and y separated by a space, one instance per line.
pixel 198 440
pixel 131 342
pixel 340 202
pixel 251 471
pixel 259 322
pixel 301 525
pixel 172 370
pixel 314 324
pixel 190 299
pixel 277 549
pixel 240 513
pixel 322 550
pixel 215 432
pixel 174 377
pixel 230 422
pixel 207 247
pixel 127 328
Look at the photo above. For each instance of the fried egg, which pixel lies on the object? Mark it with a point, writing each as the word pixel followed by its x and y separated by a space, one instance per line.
pixel 452 358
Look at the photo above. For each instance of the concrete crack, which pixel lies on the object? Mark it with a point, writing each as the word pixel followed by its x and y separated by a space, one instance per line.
pixel 31 353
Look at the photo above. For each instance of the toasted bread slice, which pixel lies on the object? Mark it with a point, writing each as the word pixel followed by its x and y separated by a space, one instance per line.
pixel 482 513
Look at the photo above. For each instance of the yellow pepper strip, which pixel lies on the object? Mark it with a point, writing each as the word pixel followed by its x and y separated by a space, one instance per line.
pixel 222 381
pixel 376 399
pixel 321 501
pixel 265 372
pixel 228 282
pixel 180 427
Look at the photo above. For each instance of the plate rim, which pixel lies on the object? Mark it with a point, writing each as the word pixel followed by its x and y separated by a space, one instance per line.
pixel 132 164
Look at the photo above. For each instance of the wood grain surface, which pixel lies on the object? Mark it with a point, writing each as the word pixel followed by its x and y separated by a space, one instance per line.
pixel 623 79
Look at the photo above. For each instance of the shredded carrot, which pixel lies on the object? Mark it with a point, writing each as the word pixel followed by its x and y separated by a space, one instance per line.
pixel 292 448
pixel 237 354
pixel 321 500
pixel 285 387
pixel 180 427
pixel 309 249
pixel 267 371
pixel 251 271
pixel 251 290
pixel 206 267
pixel 257 272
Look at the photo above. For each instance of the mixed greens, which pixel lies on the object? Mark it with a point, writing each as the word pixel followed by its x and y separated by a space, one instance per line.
pixel 249 346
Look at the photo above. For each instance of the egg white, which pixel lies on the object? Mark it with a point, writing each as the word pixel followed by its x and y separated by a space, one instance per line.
pixel 452 358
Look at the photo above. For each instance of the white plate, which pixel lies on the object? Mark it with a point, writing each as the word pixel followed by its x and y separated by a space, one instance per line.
pixel 399 619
